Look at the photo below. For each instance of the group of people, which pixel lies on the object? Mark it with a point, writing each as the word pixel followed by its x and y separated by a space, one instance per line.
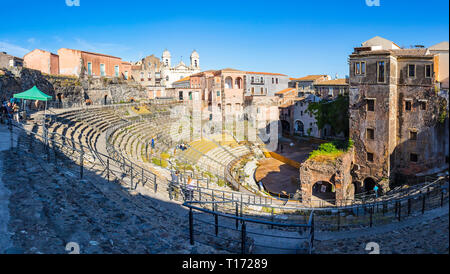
pixel 9 110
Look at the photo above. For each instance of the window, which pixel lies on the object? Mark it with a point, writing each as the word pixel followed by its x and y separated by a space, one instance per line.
pixel 253 79
pixel 89 68
pixel 370 104
pixel 195 63
pixel 301 113
pixel 423 104
pixel 262 80
pixel 273 80
pixel 428 71
pixel 276 80
pixel 360 68
pixel 412 135
pixel 253 90
pixel 142 76
pixel 116 71
pixel 413 157
pixel 408 105
pixel 370 134
pixel 126 75
pixel 381 72
pixel 411 70
pixel 218 93
pixel 102 70
pixel 167 78
pixel 369 157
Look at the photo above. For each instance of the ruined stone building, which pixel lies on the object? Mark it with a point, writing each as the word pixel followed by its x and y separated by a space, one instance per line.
pixel 147 72
pixel 398 115
pixel 8 61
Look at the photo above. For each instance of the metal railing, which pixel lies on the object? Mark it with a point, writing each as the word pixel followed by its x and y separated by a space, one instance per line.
pixel 248 238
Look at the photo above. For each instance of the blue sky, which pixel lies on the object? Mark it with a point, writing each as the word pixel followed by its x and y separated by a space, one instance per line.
pixel 291 37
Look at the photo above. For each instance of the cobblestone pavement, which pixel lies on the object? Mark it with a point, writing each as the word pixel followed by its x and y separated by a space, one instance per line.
pixel 423 237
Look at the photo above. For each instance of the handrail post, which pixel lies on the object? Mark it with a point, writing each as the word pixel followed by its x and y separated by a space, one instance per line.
pixel 423 203
pixel 338 220
pixel 243 237
pixel 81 163
pixel 216 223
pixel 237 215
pixel 191 226
pixel 107 168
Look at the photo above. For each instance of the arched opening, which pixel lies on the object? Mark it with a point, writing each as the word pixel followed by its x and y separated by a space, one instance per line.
pixel 299 127
pixel 228 82
pixel 286 127
pixel 369 184
pixel 238 82
pixel 357 186
pixel 105 99
pixel 324 191
pixel 59 96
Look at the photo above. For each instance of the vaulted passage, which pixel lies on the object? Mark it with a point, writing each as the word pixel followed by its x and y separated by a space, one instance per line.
pixel 324 191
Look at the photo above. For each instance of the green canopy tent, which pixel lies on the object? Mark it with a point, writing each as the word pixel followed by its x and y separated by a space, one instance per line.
pixel 34 94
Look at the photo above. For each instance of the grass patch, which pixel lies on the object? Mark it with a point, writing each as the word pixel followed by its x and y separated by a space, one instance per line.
pixel 330 151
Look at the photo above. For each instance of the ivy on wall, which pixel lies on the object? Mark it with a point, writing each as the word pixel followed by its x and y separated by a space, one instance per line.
pixel 334 113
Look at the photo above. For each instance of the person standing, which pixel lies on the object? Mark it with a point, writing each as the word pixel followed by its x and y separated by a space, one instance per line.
pixel 375 189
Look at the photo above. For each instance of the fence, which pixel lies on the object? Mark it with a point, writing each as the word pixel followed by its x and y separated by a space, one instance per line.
pixel 226 227
pixel 368 212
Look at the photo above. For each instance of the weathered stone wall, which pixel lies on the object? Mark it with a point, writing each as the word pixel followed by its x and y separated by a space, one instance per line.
pixel 336 172
pixel 69 90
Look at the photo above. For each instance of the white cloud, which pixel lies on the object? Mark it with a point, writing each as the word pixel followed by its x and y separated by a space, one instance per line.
pixel 13 49
pixel 107 48
pixel 31 40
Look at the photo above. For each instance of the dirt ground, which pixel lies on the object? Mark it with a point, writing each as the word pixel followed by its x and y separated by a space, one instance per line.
pixel 298 152
pixel 276 176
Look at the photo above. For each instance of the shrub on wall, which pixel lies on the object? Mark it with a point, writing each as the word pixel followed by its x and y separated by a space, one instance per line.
pixel 333 113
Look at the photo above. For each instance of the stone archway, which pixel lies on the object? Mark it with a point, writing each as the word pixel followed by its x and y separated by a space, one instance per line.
pixel 286 127
pixel 228 82
pixel 369 184
pixel 323 190
pixel 335 172
pixel 299 128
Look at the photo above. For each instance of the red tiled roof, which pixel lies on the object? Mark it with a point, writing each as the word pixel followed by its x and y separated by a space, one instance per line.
pixel 309 77
pixel 284 91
